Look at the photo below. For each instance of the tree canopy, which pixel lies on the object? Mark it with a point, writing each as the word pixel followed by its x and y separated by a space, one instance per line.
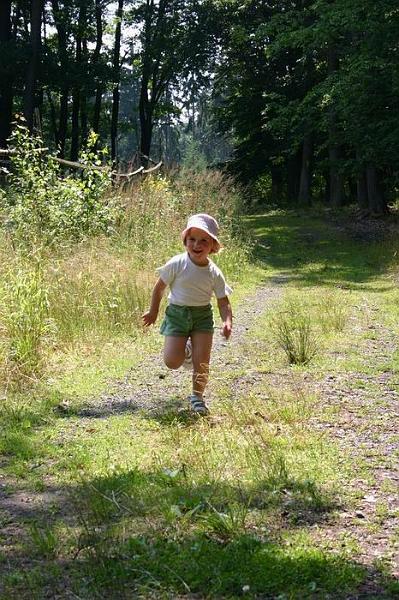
pixel 305 91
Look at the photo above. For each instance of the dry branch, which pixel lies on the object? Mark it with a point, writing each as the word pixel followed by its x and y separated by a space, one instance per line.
pixel 78 165
pixel 157 166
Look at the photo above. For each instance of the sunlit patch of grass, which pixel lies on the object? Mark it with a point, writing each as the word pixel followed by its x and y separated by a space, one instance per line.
pixel 97 290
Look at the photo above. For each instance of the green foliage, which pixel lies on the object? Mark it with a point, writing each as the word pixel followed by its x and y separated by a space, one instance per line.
pixel 321 72
pixel 193 158
pixel 43 208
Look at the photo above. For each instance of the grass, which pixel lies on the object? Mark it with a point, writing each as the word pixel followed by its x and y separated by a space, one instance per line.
pixel 167 506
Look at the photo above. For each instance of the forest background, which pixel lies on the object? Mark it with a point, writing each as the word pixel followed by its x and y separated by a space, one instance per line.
pixel 299 98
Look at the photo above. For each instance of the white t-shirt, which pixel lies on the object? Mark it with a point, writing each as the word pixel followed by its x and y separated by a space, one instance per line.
pixel 191 285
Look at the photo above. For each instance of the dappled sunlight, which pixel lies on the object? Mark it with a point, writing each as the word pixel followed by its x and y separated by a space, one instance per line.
pixel 315 251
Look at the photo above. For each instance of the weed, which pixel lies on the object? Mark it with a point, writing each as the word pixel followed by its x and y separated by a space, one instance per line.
pixel 295 333
pixel 43 208
pixel 227 523
pixel 332 310
pixel 44 539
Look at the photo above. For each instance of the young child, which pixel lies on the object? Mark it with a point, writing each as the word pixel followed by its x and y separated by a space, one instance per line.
pixel 188 325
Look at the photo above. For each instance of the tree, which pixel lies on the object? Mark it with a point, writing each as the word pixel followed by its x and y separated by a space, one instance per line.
pixel 174 41
pixel 6 74
pixel 116 79
pixel 36 8
pixel 311 87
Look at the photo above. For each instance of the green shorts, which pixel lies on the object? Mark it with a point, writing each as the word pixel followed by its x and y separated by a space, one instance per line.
pixel 183 320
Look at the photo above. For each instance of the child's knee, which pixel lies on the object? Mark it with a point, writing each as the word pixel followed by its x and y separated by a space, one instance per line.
pixel 172 362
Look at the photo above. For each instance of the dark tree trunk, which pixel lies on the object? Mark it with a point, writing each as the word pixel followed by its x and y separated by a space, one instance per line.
pixel 114 122
pixel 97 109
pixel 96 59
pixel 53 118
pixel 376 200
pixel 62 131
pixel 6 78
pixel 75 124
pixel 361 191
pixel 277 185
pixel 334 151
pixel 304 194
pixel 293 175
pixel 145 102
pixel 116 79
pixel 83 95
pixel 64 95
pixel 76 94
pixel 33 67
pixel 146 124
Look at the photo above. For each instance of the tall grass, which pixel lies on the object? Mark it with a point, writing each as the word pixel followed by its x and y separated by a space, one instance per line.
pixel 295 332
pixel 24 315
pixel 96 288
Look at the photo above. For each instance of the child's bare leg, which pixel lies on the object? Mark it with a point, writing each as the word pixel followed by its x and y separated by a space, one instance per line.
pixel 174 351
pixel 202 346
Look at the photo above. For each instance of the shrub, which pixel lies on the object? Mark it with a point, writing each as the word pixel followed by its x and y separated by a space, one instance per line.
pixel 41 207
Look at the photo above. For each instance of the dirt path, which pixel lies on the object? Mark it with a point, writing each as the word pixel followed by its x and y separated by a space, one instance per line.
pixel 152 387
pixel 365 427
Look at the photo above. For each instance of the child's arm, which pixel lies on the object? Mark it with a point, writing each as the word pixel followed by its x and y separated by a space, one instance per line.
pixel 151 315
pixel 226 314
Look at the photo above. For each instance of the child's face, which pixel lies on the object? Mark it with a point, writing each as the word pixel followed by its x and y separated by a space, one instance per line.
pixel 199 245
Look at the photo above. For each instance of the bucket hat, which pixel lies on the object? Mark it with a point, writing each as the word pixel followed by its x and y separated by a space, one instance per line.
pixel 205 223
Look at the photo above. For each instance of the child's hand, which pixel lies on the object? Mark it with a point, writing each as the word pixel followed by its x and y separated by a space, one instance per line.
pixel 149 318
pixel 226 330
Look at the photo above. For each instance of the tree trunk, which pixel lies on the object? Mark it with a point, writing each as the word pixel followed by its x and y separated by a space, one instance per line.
pixel 376 200
pixel 96 59
pixel 6 79
pixel 63 122
pixel 116 79
pixel 146 125
pixel 32 73
pixel 97 109
pixel 293 175
pixel 75 125
pixel 304 194
pixel 83 94
pixel 76 94
pixel 361 191
pixel 334 151
pixel 64 64
pixel 53 118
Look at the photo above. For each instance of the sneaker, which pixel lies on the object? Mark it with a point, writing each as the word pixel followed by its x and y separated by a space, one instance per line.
pixel 188 359
pixel 198 405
